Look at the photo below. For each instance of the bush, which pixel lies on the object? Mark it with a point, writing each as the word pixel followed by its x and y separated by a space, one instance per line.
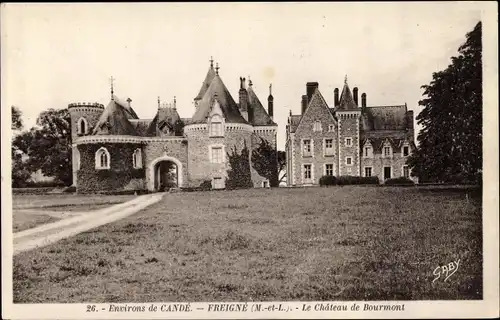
pixel 206 185
pixel 327 181
pixel 71 189
pixel 348 180
pixel 399 181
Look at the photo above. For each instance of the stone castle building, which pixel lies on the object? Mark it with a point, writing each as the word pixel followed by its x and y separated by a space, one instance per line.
pixel 112 149
pixel 350 139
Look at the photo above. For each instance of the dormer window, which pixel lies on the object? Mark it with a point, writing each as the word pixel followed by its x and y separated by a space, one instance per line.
pixel 137 159
pixel 387 151
pixel 216 126
pixel 331 128
pixel 367 151
pixel 82 126
pixel 405 150
pixel 102 159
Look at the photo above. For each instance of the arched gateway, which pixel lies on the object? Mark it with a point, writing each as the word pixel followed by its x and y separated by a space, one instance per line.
pixel 160 169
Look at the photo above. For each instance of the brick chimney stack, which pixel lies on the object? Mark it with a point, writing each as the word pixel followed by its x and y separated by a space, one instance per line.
pixel 363 100
pixel 355 95
pixel 310 88
pixel 304 103
pixel 336 96
pixel 243 99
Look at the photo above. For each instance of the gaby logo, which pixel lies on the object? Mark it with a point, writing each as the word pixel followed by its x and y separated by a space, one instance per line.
pixel 446 271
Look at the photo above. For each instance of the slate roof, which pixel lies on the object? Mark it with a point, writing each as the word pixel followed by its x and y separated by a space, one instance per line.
pixel 141 126
pixel 165 116
pixel 226 101
pixel 206 83
pixel 130 112
pixel 114 121
pixel 260 115
pixel 346 99
pixel 385 118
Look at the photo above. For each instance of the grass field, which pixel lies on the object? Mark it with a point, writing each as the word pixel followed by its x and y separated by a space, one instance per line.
pixel 30 211
pixel 339 243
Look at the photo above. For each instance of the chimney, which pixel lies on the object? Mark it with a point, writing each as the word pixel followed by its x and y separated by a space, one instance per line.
pixel 270 102
pixel 310 87
pixel 363 100
pixel 243 99
pixel 336 95
pixel 355 95
pixel 304 103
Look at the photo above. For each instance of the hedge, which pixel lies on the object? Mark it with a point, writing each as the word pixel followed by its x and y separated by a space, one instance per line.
pixel 347 180
pixel 399 181
pixel 327 181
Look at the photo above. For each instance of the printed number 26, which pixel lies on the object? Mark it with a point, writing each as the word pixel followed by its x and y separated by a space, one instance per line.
pixel 91 308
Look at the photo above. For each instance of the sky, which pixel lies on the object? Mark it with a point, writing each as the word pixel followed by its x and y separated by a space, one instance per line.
pixel 56 54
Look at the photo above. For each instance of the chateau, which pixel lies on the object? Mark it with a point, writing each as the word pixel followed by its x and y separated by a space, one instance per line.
pixel 112 149
pixel 348 139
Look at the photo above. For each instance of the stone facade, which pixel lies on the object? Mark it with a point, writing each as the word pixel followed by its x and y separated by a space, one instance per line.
pixel 347 140
pixel 113 150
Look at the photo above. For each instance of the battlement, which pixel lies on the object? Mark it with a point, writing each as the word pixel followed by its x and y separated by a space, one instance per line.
pixel 166 105
pixel 86 105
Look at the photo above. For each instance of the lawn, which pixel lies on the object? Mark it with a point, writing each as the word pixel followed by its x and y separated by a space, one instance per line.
pixel 338 243
pixel 30 211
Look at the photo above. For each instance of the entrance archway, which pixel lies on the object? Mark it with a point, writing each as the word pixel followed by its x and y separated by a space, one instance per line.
pixel 165 173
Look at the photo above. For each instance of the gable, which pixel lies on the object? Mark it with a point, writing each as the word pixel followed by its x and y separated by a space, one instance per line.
pixel 317 110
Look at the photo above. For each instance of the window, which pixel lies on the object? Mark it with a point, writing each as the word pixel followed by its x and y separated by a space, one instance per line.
pixel 331 128
pixel 406 151
pixel 217 155
pixel 348 142
pixel 387 151
pixel 82 126
pixel 102 159
pixel 137 158
pixel 406 172
pixel 348 161
pixel 218 183
pixel 307 171
pixel 317 126
pixel 329 147
pixel 329 169
pixel 265 184
pixel 216 126
pixel 368 171
pixel 307 148
pixel 368 152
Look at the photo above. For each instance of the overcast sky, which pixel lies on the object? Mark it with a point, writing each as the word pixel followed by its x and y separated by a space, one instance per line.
pixel 55 54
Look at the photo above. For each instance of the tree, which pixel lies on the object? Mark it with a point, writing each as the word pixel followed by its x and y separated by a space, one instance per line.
pixel 17 122
pixel 450 142
pixel 48 147
pixel 265 162
pixel 239 176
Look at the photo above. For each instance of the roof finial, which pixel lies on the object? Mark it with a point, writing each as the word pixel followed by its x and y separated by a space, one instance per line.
pixel 211 62
pixel 217 68
pixel 345 79
pixel 158 102
pixel 250 83
pixel 112 91
pixel 175 103
pixel 270 89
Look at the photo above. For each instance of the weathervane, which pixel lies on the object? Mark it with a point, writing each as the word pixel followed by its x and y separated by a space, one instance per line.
pixel 112 92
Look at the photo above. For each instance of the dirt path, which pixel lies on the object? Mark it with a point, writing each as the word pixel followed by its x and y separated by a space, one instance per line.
pixel 53 232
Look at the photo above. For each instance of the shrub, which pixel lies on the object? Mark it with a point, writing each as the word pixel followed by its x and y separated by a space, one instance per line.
pixel 71 189
pixel 206 185
pixel 327 181
pixel 348 180
pixel 399 181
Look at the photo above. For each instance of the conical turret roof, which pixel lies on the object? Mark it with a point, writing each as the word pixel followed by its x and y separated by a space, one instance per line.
pixel 260 116
pixel 206 83
pixel 226 101
pixel 346 99
pixel 114 121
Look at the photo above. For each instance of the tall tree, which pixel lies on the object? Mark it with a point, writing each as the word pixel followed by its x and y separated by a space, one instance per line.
pixel 265 162
pixel 17 122
pixel 450 142
pixel 48 146
pixel 239 175
pixel 20 172
pixel 281 166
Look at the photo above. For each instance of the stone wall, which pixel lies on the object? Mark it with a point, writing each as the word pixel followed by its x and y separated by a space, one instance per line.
pixel 175 150
pixel 118 177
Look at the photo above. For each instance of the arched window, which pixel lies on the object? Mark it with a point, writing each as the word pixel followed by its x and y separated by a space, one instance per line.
pixel 102 159
pixel 137 158
pixel 216 126
pixel 82 126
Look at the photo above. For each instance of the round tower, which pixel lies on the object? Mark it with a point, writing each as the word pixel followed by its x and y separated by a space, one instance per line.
pixel 84 116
